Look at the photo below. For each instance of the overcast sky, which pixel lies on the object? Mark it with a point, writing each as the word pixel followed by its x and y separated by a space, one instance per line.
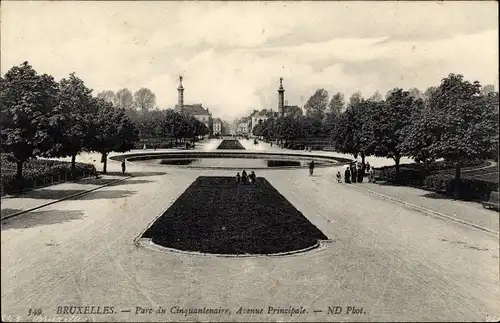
pixel 232 54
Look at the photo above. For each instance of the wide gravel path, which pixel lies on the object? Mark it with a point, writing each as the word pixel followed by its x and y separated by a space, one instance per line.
pixel 396 263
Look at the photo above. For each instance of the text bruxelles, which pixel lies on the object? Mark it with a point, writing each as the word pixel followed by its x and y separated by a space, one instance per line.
pixel 85 310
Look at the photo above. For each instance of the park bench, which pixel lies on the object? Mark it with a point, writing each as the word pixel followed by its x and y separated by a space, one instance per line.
pixel 492 201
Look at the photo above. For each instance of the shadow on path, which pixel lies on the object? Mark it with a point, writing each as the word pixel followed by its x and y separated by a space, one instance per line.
pixel 38 218
pixel 136 174
pixel 48 194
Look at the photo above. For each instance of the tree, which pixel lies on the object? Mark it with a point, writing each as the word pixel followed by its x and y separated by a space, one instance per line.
pixel 376 97
pixel 467 127
pixel 487 89
pixel 428 93
pixel 112 130
pixel 316 105
pixel 350 134
pixel 337 104
pixel 27 101
pixel 74 120
pixel 386 125
pixel 109 96
pixel 124 99
pixel 355 98
pixel 144 100
pixel 419 135
pixel 295 112
pixel 416 93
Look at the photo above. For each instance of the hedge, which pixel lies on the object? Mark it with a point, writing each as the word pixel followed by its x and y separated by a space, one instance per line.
pixel 39 172
pixel 468 188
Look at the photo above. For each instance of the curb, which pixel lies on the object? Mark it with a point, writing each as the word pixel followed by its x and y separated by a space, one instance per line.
pixel 62 199
pixel 431 212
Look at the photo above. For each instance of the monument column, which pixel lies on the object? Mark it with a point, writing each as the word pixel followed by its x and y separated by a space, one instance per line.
pixel 281 98
pixel 180 94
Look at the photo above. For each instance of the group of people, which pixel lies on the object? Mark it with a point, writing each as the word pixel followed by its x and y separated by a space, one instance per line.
pixel 354 173
pixel 244 177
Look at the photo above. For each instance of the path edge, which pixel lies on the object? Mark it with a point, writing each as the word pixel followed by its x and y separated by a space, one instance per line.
pixel 64 198
pixel 431 212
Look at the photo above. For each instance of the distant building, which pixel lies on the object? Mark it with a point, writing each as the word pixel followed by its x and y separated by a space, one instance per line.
pixel 196 110
pixel 217 126
pixel 244 126
pixel 260 116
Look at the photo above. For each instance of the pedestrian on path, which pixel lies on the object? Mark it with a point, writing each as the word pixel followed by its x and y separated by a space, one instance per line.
pixel 361 173
pixel 339 177
pixel 372 176
pixel 354 173
pixel 311 168
pixel 244 177
pixel 123 166
pixel 347 175
pixel 238 178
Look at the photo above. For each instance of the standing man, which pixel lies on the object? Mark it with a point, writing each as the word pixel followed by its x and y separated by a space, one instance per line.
pixel 123 167
pixel 311 168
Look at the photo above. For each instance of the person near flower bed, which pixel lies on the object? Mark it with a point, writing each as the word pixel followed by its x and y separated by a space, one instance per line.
pixel 238 177
pixel 244 177
pixel 123 166
pixel 252 177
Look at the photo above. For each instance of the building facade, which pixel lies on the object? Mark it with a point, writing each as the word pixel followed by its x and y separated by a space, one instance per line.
pixel 217 126
pixel 244 126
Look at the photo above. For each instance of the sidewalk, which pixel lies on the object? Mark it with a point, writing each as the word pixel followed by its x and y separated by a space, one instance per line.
pixel 12 205
pixel 471 212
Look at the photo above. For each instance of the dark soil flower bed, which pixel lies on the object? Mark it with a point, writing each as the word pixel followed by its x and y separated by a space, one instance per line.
pixel 231 144
pixel 282 163
pixel 218 215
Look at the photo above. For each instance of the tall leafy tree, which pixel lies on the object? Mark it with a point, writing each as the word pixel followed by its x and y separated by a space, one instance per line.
pixel 487 89
pixel 386 125
pixel 27 101
pixel 416 93
pixel 316 106
pixel 419 135
pixel 112 130
pixel 376 97
pixel 355 98
pixel 74 115
pixel 337 104
pixel 467 129
pixel 109 96
pixel 124 99
pixel 144 100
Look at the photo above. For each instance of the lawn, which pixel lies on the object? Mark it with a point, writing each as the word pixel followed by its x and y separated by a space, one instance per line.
pixel 231 144
pixel 217 215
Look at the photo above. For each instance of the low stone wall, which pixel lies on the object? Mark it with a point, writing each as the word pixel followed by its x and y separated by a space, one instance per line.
pixel 330 160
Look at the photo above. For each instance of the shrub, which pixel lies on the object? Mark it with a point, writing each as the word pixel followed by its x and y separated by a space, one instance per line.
pixel 37 172
pixel 282 163
pixel 405 177
pixel 468 188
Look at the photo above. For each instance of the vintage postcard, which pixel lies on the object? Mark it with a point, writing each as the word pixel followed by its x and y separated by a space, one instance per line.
pixel 249 161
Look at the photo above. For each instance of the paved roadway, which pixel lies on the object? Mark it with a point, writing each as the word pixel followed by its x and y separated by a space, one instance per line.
pixel 395 263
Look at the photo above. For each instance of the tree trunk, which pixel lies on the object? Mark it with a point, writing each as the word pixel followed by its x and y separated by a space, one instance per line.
pixel 19 176
pixel 73 167
pixel 457 180
pixel 363 160
pixel 396 160
pixel 105 164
